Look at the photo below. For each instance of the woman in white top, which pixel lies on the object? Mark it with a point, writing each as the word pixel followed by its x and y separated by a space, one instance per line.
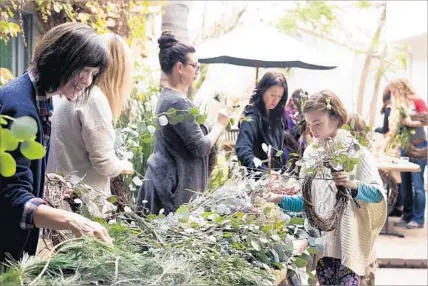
pixel 83 136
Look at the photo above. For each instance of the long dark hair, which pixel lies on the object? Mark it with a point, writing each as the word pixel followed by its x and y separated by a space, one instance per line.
pixel 171 51
pixel 269 80
pixel 386 99
pixel 65 51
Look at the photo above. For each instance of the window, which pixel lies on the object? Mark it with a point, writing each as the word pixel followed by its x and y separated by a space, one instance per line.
pixel 14 55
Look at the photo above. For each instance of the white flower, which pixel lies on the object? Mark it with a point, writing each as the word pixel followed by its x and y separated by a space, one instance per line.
pixel 163 120
pixel 141 88
pixel 265 147
pixel 151 129
pixel 257 162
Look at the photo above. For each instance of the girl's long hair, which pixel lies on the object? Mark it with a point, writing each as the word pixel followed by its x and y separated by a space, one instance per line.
pixel 117 82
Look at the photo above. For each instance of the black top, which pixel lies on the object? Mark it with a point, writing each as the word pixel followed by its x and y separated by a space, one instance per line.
pixel 385 128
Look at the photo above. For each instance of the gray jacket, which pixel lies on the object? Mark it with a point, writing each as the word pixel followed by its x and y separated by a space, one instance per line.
pixel 178 167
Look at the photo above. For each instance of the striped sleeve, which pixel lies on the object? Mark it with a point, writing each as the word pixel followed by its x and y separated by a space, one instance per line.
pixel 368 193
pixel 292 203
pixel 27 222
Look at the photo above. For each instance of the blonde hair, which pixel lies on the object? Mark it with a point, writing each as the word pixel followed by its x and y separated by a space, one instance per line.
pixel 402 95
pixel 117 82
pixel 327 101
pixel 358 125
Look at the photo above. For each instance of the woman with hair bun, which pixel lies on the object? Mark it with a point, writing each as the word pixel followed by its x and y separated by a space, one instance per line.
pixel 178 167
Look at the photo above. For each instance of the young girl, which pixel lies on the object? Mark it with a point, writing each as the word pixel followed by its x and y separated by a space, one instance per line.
pixel 348 250
pixel 83 134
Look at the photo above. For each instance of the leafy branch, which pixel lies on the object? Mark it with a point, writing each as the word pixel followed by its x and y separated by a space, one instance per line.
pixel 22 133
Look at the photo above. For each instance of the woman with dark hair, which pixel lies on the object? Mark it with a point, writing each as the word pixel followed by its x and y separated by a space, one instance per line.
pixel 179 165
pixel 386 111
pixel 262 124
pixel 67 61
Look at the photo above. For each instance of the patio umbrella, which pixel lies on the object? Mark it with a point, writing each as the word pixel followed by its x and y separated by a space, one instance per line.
pixel 259 45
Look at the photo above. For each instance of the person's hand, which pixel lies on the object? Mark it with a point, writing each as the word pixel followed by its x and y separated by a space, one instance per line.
pixel 342 179
pixel 223 118
pixel 127 168
pixel 274 198
pixel 407 121
pixel 82 226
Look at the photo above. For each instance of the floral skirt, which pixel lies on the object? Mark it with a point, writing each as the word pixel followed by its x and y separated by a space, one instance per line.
pixel 331 272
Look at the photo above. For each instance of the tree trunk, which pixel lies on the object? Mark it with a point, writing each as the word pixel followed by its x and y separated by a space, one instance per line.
pixel 175 20
pixel 379 74
pixel 367 62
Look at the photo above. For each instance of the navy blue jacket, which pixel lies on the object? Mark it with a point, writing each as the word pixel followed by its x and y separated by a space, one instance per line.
pixel 252 134
pixel 17 99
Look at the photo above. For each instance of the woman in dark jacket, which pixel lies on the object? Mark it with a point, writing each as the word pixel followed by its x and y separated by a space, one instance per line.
pixel 386 111
pixel 68 60
pixel 262 125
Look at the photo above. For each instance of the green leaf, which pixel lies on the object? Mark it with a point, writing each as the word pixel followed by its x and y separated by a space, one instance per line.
pixel 7 141
pixel 189 117
pixel 112 199
pixel 301 262
pixel 279 153
pixel 240 215
pixel 297 220
pixel 275 255
pixel 227 234
pixel 7 165
pixel 180 118
pixel 262 256
pixel 346 127
pixel 312 250
pixel 255 245
pixel 142 128
pixel 24 128
pixel 184 212
pixel 267 210
pixel 267 228
pixel 32 150
pixel 200 119
pixel 151 216
pixel 194 111
pixel 172 111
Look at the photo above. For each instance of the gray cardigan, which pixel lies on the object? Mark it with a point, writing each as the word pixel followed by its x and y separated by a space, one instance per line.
pixel 178 167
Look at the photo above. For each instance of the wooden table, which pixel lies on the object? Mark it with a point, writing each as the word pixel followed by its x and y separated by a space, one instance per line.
pixel 395 166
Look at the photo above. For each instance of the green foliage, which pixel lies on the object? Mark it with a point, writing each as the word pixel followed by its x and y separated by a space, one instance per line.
pixel 7 13
pixel 319 15
pixel 402 139
pixel 22 132
pixel 126 18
